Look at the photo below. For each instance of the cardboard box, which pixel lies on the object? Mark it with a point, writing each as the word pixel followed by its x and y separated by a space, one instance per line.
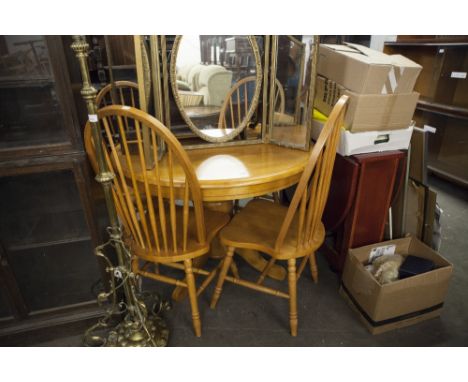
pixel 419 153
pixel 367 112
pixel 403 302
pixel 368 141
pixel 366 71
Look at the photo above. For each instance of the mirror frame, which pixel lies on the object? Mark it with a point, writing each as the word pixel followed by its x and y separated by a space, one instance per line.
pixel 255 100
pixel 308 103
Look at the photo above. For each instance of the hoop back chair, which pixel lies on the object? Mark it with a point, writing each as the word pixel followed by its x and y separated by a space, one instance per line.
pixel 236 104
pixel 287 233
pixel 127 94
pixel 160 209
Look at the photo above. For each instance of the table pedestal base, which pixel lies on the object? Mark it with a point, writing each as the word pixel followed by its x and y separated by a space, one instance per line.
pixel 257 261
pixel 217 251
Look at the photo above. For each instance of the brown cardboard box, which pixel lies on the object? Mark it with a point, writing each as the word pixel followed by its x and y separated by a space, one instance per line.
pixel 367 112
pixel 367 71
pixel 403 302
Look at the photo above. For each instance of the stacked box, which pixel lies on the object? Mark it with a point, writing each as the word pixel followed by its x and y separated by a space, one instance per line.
pixel 380 86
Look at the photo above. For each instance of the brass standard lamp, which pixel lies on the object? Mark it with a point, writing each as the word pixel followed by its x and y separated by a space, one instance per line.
pixel 138 326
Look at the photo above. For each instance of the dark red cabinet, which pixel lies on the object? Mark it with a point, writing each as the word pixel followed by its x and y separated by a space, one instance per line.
pixel 362 189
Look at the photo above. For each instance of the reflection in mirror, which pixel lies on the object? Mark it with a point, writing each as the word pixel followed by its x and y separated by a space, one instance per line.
pixel 289 93
pixel 216 83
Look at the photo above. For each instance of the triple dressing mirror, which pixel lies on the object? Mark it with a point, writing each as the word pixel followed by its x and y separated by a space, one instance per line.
pixel 230 89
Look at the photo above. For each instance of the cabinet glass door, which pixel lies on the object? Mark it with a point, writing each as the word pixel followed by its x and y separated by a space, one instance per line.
pixel 44 232
pixel 31 113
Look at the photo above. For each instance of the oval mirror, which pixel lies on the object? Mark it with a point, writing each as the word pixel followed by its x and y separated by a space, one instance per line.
pixel 216 83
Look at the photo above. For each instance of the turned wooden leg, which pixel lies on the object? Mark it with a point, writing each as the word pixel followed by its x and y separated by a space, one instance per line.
pixel 222 275
pixel 234 270
pixel 292 280
pixel 192 291
pixel 302 265
pixel 313 267
pixel 180 293
pixel 255 260
pixel 266 270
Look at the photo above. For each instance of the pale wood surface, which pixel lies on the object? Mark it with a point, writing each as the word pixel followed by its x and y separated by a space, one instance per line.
pixel 258 225
pixel 236 172
pixel 287 233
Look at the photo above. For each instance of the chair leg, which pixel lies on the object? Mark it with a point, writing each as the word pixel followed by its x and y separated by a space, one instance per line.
pixel 292 281
pixel 222 275
pixel 302 265
pixel 266 270
pixel 313 267
pixel 193 297
pixel 276 197
pixel 234 270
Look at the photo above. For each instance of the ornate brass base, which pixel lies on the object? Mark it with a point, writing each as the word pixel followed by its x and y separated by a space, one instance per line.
pixel 150 330
pixel 132 334
pixel 140 326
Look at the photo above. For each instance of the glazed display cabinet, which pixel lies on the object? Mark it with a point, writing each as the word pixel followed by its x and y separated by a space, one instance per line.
pixel 49 220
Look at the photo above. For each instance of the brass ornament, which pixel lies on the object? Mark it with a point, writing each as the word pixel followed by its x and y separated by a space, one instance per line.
pixel 138 326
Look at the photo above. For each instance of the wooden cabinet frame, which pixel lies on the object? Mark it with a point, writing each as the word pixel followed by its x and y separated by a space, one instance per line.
pixel 49 158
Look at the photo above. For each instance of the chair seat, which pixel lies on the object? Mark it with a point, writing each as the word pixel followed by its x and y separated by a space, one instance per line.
pixel 214 221
pixel 257 226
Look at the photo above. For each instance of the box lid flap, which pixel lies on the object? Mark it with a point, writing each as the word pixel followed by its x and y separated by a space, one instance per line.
pixel 374 56
pixel 399 60
pixel 361 53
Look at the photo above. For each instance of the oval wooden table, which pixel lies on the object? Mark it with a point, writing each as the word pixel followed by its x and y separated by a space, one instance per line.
pixel 231 173
pixel 236 172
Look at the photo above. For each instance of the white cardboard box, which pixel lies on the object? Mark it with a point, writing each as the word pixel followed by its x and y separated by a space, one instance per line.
pixel 368 141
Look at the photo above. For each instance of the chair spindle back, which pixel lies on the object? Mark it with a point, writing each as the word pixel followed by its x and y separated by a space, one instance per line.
pixel 236 104
pixel 312 190
pixel 126 94
pixel 147 200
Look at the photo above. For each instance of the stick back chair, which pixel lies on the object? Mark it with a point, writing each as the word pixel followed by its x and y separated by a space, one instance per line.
pixel 287 233
pixel 164 221
pixel 126 94
pixel 236 104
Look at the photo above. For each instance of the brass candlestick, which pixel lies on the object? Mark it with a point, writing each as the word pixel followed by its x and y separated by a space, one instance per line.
pixel 138 327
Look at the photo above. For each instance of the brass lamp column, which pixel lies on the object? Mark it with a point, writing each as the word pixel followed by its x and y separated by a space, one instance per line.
pixel 138 328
